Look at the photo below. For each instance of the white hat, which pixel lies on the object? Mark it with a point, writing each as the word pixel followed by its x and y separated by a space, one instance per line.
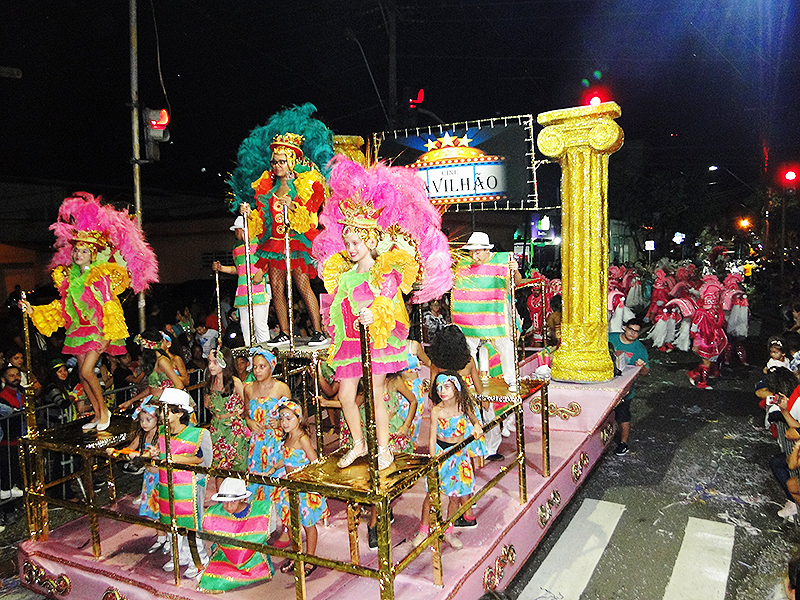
pixel 178 398
pixel 478 241
pixel 231 490
pixel 238 223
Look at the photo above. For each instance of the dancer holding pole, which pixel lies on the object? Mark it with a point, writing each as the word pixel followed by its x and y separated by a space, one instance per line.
pixel 280 172
pixel 93 242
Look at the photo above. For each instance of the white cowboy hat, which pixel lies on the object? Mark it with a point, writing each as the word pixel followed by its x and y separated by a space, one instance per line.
pixel 478 241
pixel 231 490
pixel 238 223
pixel 178 398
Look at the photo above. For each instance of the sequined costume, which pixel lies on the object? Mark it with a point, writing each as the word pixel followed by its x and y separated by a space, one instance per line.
pixel 380 289
pixel 307 193
pixel 88 308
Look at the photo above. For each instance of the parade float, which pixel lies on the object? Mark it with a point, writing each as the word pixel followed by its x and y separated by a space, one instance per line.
pixel 563 427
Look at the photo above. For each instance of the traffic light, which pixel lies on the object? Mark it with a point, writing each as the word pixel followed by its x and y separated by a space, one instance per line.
pixel 596 94
pixel 414 99
pixel 788 176
pixel 155 131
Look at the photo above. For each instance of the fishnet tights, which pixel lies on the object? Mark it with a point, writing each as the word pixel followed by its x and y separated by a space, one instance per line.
pixel 277 281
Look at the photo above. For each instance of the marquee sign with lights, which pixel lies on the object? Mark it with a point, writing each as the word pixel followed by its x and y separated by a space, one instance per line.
pixel 485 164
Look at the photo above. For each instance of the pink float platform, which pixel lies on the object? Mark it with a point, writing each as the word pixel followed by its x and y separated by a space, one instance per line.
pixel 581 426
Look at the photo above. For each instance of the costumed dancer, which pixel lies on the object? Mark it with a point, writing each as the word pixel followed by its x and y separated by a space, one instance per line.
pixel 156 363
pixel 708 333
pixel 618 312
pixel 232 567
pixel 682 310
pixel 224 399
pixel 380 230
pixel 737 315
pixel 146 438
pixel 659 295
pixel 279 169
pixel 100 252
pixel 452 419
pixel 260 292
pixel 632 284
pixel 189 445
pixel 481 305
pixel 297 452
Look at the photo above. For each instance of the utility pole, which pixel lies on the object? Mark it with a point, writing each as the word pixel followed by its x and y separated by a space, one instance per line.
pixel 137 167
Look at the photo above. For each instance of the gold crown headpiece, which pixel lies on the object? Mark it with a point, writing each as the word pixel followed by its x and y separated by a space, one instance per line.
pixel 361 215
pixel 97 239
pixel 360 218
pixel 292 141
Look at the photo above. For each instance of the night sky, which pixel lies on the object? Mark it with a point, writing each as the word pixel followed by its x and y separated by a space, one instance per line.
pixel 699 83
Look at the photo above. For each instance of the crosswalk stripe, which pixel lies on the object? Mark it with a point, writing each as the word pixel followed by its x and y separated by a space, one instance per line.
pixel 570 564
pixel 701 570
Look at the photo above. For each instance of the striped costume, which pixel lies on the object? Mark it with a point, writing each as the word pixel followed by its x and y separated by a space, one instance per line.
pixel 232 567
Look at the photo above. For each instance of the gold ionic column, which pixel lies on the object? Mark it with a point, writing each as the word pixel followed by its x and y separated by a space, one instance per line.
pixel 581 139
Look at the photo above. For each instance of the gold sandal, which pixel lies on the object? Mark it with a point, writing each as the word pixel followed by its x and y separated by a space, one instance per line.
pixel 352 454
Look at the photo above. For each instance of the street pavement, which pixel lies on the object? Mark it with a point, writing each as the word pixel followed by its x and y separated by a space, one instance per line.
pixel 689 513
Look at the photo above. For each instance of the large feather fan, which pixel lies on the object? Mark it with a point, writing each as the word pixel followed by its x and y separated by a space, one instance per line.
pixel 84 212
pixel 405 203
pixel 254 153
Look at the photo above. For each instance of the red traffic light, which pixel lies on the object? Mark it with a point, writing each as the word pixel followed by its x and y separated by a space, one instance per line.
pixel 595 95
pixel 787 175
pixel 162 121
pixel 414 102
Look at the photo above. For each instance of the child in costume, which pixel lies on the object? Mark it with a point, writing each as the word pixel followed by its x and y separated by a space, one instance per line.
pixel 261 292
pixel 452 419
pixel 189 445
pixel 93 242
pixel 157 364
pixel 481 306
pixel 224 399
pixel 296 452
pixel 146 437
pixel 279 167
pixel 262 397
pixel 232 567
pixel 379 228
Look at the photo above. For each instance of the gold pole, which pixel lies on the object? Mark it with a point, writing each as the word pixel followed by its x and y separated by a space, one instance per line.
pixel 369 409
pixel 297 543
pixel 30 409
pixel 248 280
pixel 219 310
pixel 545 432
pixel 386 578
pixel 512 321
pixel 173 524
pixel 581 139
pixel 352 530
pixel 289 292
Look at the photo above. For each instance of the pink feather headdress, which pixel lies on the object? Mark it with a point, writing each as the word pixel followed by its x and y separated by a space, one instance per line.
pixel 82 218
pixel 403 201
